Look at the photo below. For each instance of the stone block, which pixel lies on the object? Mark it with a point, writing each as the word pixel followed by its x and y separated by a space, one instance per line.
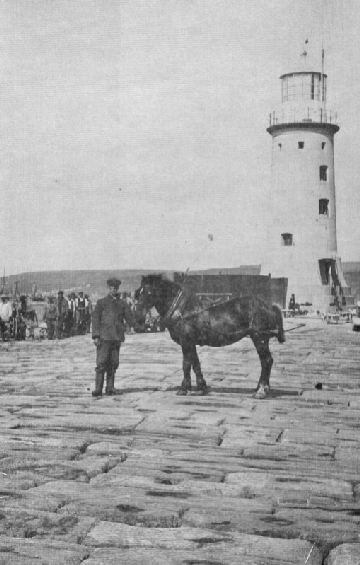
pixel 249 549
pixel 18 551
pixel 344 554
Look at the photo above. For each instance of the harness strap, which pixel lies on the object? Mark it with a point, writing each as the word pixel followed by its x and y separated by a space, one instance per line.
pixel 173 306
pixel 206 309
pixel 192 313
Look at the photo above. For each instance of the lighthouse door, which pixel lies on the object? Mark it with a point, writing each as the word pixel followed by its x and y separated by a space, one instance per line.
pixel 330 277
pixel 325 269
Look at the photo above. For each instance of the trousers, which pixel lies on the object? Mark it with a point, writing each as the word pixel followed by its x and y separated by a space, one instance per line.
pixel 107 356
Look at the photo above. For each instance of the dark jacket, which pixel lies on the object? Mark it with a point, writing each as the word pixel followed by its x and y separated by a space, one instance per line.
pixel 62 306
pixel 50 312
pixel 109 317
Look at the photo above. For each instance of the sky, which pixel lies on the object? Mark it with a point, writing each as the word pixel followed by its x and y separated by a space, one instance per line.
pixel 133 132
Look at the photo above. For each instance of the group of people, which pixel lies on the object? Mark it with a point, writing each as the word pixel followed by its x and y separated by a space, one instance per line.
pixel 69 316
pixel 60 317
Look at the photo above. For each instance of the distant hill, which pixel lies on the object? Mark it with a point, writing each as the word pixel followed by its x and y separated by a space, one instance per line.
pixel 93 282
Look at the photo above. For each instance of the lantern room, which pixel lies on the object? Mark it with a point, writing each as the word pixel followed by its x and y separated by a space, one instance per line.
pixel 303 86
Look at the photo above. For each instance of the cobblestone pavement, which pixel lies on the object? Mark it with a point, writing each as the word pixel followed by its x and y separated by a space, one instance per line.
pixel 150 477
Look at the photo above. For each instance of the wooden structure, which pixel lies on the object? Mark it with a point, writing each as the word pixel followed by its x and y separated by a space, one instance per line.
pixel 215 288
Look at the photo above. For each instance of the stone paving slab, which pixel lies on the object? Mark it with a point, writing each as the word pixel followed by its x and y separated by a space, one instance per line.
pixel 150 477
pixel 182 539
pixel 20 551
pixel 344 554
pixel 221 555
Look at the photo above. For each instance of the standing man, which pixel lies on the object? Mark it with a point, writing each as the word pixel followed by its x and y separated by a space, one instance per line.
pixel 108 331
pixel 88 313
pixel 62 312
pixel 80 313
pixel 50 317
pixel 72 314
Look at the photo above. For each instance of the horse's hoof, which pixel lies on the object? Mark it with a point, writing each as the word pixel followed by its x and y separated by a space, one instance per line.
pixel 203 391
pixel 262 392
pixel 182 392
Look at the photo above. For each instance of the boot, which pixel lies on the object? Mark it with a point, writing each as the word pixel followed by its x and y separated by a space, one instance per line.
pixel 99 383
pixel 185 387
pixel 201 384
pixel 110 384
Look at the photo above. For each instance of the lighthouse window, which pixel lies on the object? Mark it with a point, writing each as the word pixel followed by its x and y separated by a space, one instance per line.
pixel 279 146
pixel 323 172
pixel 323 143
pixel 323 206
pixel 301 144
pixel 287 239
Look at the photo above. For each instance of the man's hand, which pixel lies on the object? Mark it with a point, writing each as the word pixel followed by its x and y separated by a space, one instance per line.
pixel 96 341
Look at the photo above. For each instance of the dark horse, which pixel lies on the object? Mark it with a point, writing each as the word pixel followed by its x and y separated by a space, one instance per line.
pixel 190 324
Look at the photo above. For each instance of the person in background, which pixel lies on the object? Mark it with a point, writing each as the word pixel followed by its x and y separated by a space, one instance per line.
pixel 72 314
pixel 292 304
pixel 80 313
pixel 50 317
pixel 6 312
pixel 21 316
pixel 62 306
pixel 28 315
pixel 108 332
pixel 88 313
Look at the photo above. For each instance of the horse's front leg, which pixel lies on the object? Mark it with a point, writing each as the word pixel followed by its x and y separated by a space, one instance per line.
pixel 200 381
pixel 262 347
pixel 186 383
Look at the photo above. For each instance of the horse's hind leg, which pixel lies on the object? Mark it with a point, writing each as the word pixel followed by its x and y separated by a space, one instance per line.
pixel 279 323
pixel 262 347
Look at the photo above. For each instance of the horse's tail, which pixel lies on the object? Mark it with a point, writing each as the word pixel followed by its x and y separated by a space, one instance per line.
pixel 279 323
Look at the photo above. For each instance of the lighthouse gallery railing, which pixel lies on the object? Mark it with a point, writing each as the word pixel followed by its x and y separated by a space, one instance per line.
pixel 303 115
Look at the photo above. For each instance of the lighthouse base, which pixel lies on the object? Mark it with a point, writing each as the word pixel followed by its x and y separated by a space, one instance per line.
pixel 320 287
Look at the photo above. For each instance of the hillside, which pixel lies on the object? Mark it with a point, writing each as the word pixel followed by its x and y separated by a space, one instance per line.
pixel 93 282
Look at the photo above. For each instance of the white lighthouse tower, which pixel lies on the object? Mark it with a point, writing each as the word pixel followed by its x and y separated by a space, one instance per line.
pixel 302 232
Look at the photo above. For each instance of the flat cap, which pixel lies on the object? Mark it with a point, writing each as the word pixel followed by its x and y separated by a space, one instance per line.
pixel 113 282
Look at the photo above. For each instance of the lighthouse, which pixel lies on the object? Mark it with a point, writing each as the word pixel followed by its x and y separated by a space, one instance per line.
pixel 301 239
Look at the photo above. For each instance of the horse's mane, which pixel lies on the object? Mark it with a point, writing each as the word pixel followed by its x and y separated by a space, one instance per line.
pixel 153 279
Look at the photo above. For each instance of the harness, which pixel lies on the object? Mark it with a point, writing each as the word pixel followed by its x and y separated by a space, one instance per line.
pixel 191 314
pixel 172 308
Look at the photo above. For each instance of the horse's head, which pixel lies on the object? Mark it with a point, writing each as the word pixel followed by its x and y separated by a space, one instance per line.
pixel 148 293
pixel 155 291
